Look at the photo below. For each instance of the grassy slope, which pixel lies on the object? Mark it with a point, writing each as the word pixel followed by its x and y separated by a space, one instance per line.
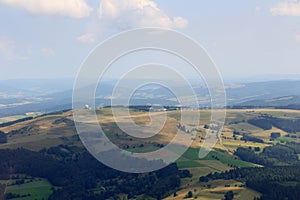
pixel 38 189
pixel 45 133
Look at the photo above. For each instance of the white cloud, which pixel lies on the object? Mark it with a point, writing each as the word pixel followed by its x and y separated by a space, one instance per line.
pixel 7 47
pixel 137 13
pixel 87 38
pixel 286 8
pixel 68 8
pixel 48 52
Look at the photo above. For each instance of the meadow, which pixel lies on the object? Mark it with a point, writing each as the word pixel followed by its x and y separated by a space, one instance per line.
pixel 32 188
pixel 56 129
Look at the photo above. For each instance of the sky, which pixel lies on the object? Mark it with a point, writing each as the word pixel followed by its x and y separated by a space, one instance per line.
pixel 51 38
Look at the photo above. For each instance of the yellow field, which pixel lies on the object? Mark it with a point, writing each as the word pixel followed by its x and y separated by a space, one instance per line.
pixel 45 131
pixel 215 190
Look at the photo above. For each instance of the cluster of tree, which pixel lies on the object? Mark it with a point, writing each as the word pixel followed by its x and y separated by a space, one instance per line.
pixel 292 135
pixel 30 118
pixel 236 133
pixel 64 120
pixel 15 122
pixel 189 195
pixel 16 196
pixel 147 108
pixel 291 106
pixel 282 153
pixel 247 137
pixel 229 195
pixel 266 122
pixel 274 135
pixel 184 129
pixel 140 108
pixel 270 156
pixel 3 138
pixel 60 112
pixel 295 146
pixel 79 174
pixel 23 130
pixel 288 125
pixel 241 107
pixel 275 183
pixel 261 123
pixel 181 127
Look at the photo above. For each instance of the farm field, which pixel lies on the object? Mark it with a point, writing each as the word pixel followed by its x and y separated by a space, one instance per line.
pixel 58 129
pixel 55 127
pixel 215 190
pixel 32 188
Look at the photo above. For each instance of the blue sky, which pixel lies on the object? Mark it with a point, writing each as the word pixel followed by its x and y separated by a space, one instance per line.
pixel 51 38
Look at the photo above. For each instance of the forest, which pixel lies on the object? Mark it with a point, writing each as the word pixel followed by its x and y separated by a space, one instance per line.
pixel 3 138
pixel 280 182
pixel 272 155
pixel 279 178
pixel 266 122
pixel 80 176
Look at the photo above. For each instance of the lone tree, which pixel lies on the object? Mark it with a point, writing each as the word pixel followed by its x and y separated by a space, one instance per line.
pixel 229 195
pixel 189 194
pixel 206 126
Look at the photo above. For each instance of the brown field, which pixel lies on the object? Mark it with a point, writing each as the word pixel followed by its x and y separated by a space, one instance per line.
pixel 52 130
pixel 44 132
pixel 215 190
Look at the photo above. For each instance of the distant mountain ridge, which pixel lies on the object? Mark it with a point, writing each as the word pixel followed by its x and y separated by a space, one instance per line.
pixel 21 96
pixel 279 102
pixel 263 90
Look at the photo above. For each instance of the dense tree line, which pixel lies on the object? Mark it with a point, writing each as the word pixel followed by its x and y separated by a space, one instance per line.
pixel 282 153
pixel 229 195
pixel 79 174
pixel 147 108
pixel 3 138
pixel 30 118
pixel 250 156
pixel 291 107
pixel 266 122
pixel 288 125
pixel 275 135
pixel 270 156
pixel 295 146
pixel 247 137
pixel 15 196
pixel 65 120
pixel 275 183
pixel 261 123
pixel 15 122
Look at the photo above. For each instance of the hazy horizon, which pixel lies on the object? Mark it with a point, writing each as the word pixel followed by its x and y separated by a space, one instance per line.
pixel 227 80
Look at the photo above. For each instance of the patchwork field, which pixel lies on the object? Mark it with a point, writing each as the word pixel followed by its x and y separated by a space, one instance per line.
pixel 55 129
